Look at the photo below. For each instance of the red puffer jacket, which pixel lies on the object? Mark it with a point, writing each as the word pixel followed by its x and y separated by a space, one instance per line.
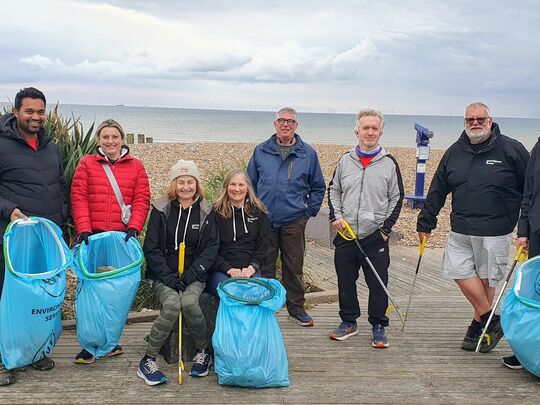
pixel 93 203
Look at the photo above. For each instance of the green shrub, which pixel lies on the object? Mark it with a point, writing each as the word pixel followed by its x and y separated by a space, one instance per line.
pixel 73 143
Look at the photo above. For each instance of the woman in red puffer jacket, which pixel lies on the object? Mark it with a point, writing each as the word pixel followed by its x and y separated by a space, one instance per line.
pixel 93 202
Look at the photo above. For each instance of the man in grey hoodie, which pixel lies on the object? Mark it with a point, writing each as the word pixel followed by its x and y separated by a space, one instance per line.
pixel 367 192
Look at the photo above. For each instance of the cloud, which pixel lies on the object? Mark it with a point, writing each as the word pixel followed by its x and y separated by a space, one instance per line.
pixel 389 52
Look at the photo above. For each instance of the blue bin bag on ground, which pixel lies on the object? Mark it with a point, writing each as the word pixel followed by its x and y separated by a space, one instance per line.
pixel 248 345
pixel 520 315
pixel 108 274
pixel 36 260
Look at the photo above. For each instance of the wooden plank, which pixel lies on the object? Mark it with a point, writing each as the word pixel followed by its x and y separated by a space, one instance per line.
pixel 425 364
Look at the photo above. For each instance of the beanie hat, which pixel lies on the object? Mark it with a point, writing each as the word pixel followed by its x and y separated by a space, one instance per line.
pixel 184 168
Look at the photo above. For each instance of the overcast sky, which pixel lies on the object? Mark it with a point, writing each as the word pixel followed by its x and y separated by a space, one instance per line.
pixel 409 57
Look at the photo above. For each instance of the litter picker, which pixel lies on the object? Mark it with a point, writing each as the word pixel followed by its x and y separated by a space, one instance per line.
pixel 422 245
pixel 181 255
pixel 518 257
pixel 349 234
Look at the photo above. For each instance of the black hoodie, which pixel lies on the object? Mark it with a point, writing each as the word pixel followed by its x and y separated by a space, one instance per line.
pixel 243 240
pixel 202 243
pixel 31 180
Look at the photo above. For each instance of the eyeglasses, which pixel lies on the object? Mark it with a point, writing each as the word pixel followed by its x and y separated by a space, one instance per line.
pixel 282 121
pixel 480 120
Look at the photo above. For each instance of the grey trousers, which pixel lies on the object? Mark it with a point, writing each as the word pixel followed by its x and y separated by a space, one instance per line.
pixel 172 302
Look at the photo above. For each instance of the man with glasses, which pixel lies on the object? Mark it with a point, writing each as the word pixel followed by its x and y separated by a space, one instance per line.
pixel 287 177
pixel 485 172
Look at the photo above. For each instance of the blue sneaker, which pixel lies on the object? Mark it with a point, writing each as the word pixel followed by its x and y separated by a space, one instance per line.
pixel 201 364
pixel 302 319
pixel 379 339
pixel 149 371
pixel 344 331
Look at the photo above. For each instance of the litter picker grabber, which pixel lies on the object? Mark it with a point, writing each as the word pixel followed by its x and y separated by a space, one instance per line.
pixel 422 245
pixel 349 234
pixel 517 258
pixel 181 255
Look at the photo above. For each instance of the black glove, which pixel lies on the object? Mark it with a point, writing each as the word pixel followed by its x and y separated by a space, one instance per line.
pixel 83 237
pixel 131 233
pixel 180 286
pixel 189 277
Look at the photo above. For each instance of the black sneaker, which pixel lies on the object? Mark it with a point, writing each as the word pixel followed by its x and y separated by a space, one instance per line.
pixel 512 362
pixel 201 364
pixel 6 376
pixel 471 337
pixel 115 352
pixel 44 364
pixel 492 336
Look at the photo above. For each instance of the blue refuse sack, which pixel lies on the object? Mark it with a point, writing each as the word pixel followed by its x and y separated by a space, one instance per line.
pixel 520 315
pixel 36 260
pixel 108 274
pixel 248 345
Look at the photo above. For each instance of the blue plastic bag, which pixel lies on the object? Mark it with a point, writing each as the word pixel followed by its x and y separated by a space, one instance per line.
pixel 108 275
pixel 520 315
pixel 248 345
pixel 36 259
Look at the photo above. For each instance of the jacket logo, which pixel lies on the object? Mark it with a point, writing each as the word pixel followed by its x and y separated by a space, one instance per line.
pixel 251 220
pixel 195 226
pixel 493 162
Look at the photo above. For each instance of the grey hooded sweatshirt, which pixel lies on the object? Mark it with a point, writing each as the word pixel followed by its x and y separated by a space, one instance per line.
pixel 367 198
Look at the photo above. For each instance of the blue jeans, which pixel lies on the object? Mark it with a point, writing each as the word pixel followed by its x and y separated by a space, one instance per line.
pixel 217 277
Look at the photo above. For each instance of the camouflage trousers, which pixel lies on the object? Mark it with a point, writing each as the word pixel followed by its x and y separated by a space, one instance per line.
pixel 172 302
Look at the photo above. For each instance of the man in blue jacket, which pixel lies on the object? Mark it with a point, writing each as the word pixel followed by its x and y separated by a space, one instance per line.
pixel 485 172
pixel 287 177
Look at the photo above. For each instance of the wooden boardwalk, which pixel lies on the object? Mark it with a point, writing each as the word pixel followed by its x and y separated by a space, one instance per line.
pixel 423 365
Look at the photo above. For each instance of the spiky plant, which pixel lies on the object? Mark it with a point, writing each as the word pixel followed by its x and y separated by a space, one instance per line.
pixel 74 143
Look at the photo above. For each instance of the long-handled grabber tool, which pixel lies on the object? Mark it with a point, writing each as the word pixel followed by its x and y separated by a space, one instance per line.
pixel 349 234
pixel 422 245
pixel 181 256
pixel 521 252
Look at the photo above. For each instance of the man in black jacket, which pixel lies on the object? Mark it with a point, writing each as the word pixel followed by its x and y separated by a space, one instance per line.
pixel 31 177
pixel 485 172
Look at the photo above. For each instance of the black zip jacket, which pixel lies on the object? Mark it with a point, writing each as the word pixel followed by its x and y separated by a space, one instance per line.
pixel 238 249
pixel 486 186
pixel 156 252
pixel 529 220
pixel 31 180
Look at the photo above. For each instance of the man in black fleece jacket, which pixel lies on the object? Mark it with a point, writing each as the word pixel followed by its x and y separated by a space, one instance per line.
pixel 485 172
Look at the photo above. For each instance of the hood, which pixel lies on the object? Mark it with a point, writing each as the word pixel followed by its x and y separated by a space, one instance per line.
pixel 298 149
pixel 8 129
pixel 124 150
pixel 163 204
pixel 466 145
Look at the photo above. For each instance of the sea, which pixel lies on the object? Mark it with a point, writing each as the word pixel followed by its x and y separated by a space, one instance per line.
pixel 209 125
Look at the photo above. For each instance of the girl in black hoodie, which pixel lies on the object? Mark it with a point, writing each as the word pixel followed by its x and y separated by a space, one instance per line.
pixel 244 231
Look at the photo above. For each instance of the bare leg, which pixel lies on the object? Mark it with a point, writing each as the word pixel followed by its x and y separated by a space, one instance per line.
pixel 478 294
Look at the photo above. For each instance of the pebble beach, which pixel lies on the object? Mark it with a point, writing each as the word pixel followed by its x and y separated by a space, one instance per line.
pixel 212 157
